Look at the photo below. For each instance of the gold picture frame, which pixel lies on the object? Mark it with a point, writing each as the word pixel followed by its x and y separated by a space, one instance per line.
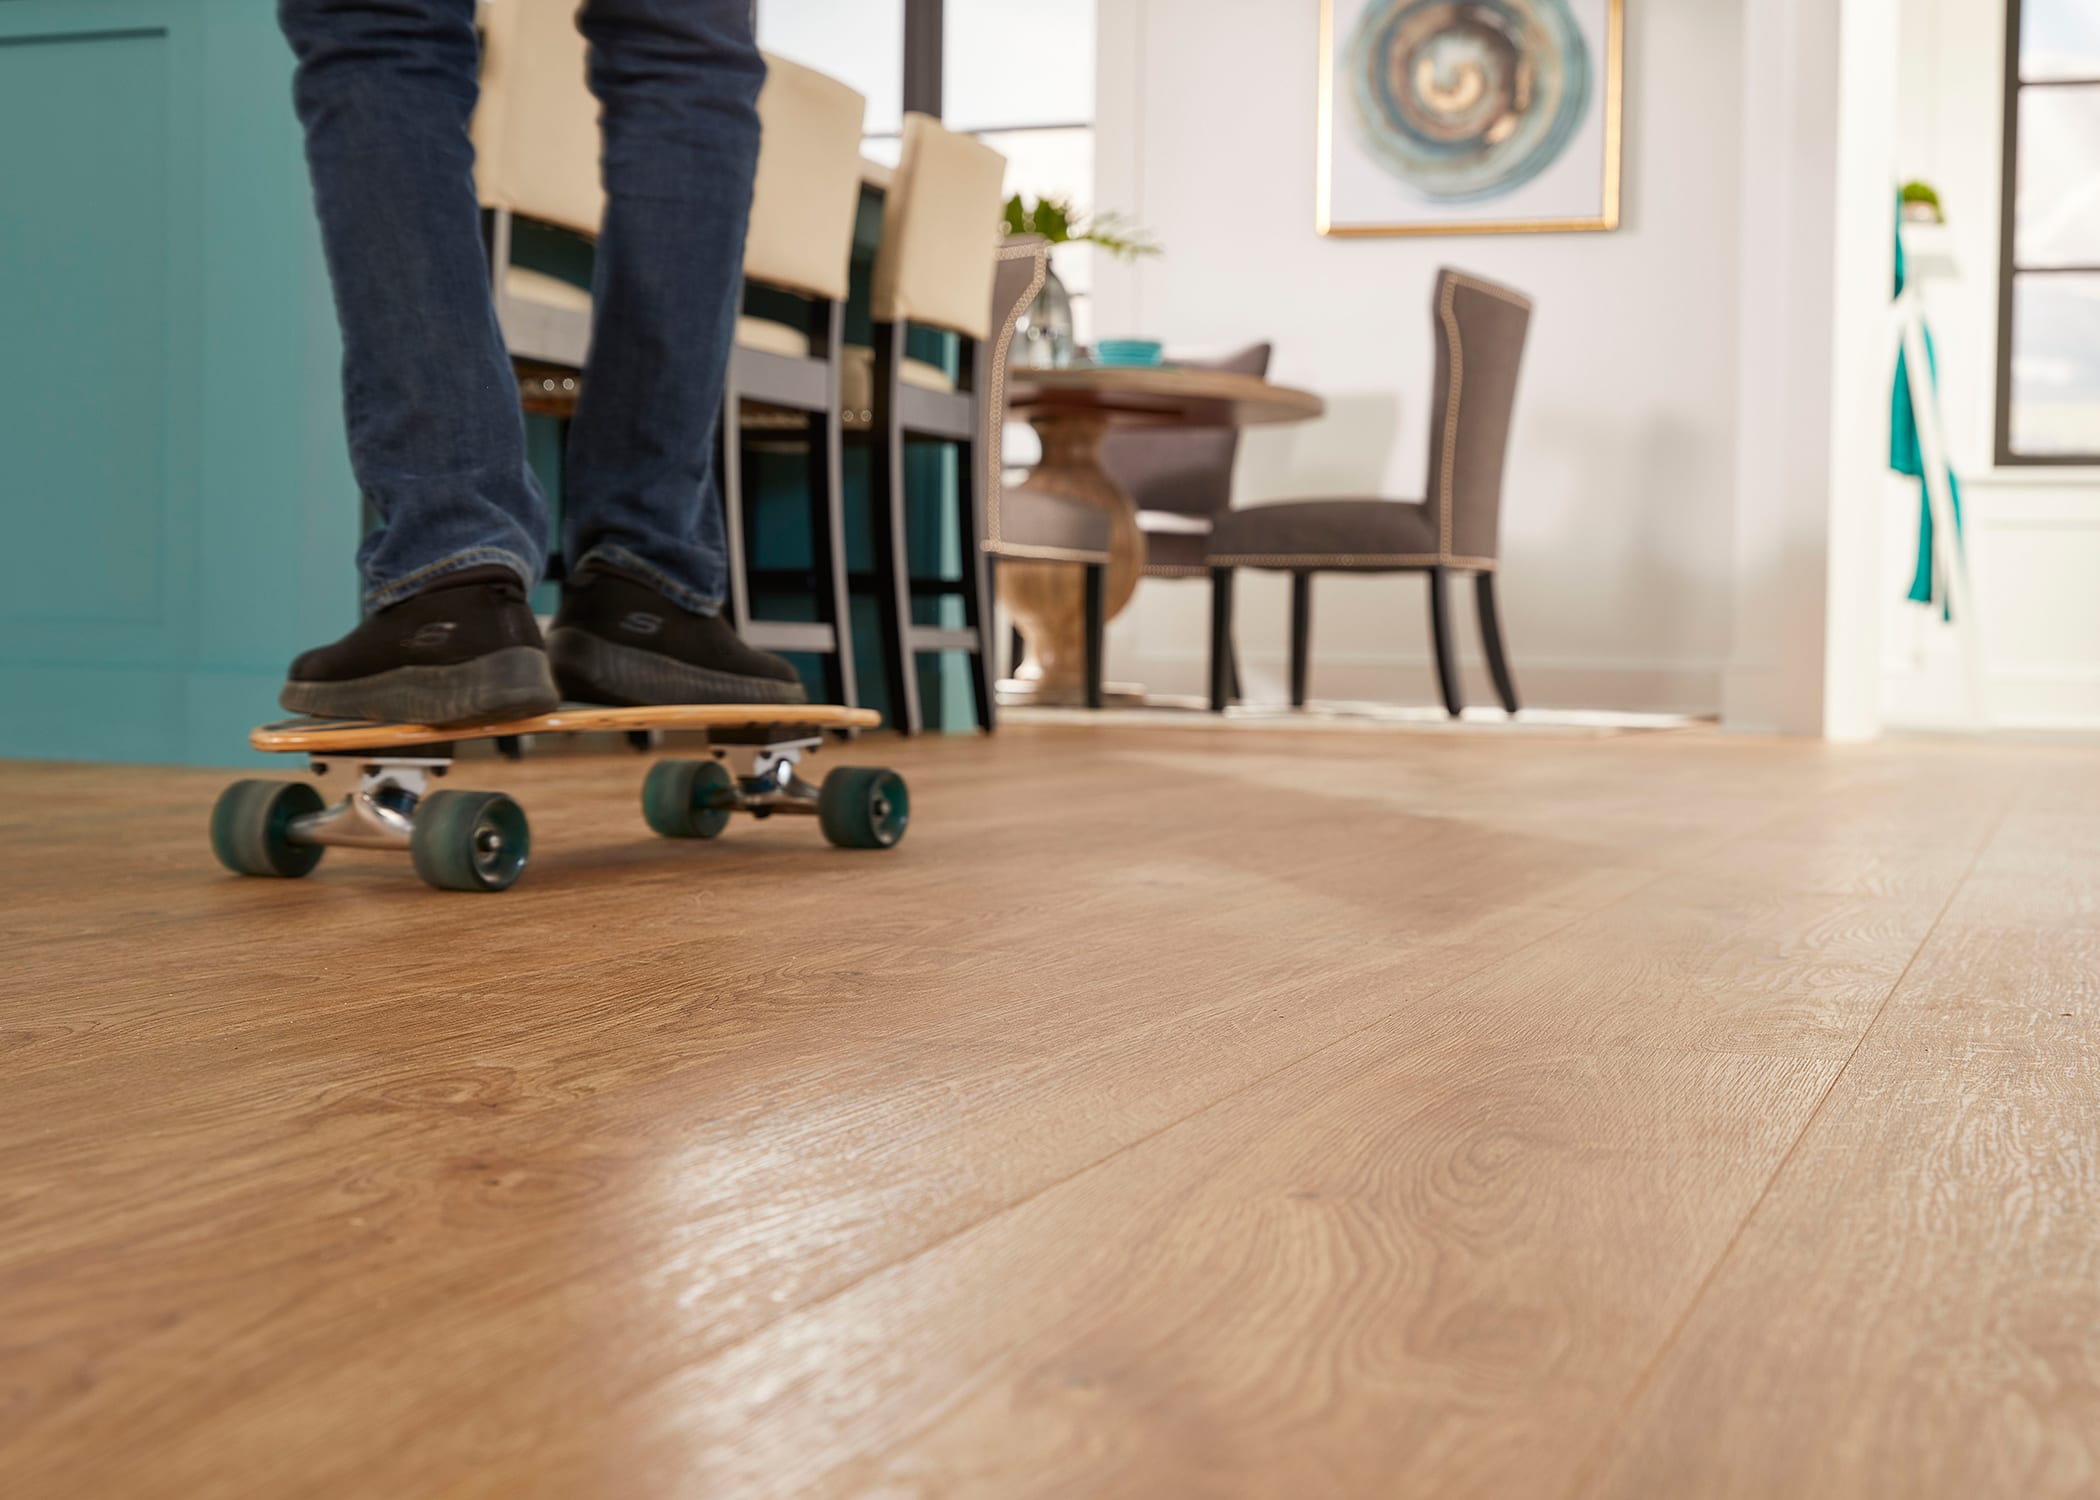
pixel 1608 219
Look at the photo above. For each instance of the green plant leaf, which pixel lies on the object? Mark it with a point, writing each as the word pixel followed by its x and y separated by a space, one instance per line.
pixel 1057 221
pixel 1053 220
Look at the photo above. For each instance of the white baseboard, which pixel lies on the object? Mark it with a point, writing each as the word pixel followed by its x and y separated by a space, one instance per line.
pixel 1687 688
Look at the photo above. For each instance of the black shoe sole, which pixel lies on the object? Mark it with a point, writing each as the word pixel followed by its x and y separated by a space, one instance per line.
pixel 592 670
pixel 514 683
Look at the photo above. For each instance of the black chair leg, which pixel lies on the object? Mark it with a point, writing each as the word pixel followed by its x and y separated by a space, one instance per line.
pixel 1016 652
pixel 827 331
pixel 828 544
pixel 976 586
pixel 1222 662
pixel 729 481
pixel 1096 621
pixel 1446 645
pixel 892 562
pixel 1301 634
pixel 1491 640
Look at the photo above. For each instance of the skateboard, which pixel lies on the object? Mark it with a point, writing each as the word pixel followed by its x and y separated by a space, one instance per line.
pixel 479 841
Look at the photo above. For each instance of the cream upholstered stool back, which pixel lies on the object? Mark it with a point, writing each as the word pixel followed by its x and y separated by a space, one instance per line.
pixel 939 229
pixel 808 189
pixel 535 133
pixel 536 145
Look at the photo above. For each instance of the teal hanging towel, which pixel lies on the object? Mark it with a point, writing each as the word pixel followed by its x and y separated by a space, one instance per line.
pixel 1905 454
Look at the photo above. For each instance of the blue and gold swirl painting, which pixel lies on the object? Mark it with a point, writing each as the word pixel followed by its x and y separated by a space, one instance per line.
pixel 1466 99
pixel 1452 115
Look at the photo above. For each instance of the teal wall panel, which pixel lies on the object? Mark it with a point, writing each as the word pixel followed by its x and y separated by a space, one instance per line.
pixel 97 350
pixel 179 513
pixel 180 518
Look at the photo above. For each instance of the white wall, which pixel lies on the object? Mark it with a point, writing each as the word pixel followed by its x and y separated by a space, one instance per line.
pixel 1618 529
pixel 1817 154
pixel 2034 534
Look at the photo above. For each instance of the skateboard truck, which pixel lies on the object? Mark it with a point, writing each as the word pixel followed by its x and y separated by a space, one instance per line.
pixel 773 784
pixel 378 813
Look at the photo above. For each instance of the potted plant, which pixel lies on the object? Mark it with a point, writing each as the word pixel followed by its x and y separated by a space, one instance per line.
pixel 1046 327
pixel 1921 205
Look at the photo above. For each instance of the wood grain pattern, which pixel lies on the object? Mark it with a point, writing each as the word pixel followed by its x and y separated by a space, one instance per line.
pixel 1916 1304
pixel 1230 1112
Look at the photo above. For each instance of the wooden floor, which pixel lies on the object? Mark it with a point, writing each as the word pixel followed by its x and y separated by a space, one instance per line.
pixel 1175 1113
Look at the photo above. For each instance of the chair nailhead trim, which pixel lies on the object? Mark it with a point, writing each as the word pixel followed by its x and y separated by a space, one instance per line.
pixel 995 440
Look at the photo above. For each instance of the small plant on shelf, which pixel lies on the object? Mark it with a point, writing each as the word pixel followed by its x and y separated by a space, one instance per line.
pixel 1057 221
pixel 1921 204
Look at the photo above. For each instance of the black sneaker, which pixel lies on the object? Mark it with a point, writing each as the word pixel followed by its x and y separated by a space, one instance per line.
pixel 466 649
pixel 619 641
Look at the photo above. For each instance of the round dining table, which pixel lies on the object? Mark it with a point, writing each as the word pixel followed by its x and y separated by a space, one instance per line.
pixel 1071 410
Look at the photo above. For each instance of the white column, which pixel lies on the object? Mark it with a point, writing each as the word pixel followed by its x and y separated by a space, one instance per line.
pixel 1818 184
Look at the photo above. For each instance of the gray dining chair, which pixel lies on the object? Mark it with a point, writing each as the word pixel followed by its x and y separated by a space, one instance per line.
pixel 1180 479
pixel 1479 330
pixel 1030 526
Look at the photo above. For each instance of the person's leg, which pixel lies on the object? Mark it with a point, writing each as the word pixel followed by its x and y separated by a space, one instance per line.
pixel 385 89
pixel 678 83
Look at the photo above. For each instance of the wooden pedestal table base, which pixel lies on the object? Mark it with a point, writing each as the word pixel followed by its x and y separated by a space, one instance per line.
pixel 1071 410
pixel 1048 600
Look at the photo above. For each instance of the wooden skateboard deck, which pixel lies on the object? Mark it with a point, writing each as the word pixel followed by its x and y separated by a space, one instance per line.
pixel 313 736
pixel 479 841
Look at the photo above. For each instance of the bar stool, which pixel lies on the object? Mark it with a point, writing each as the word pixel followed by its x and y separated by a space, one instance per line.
pixel 934 269
pixel 537 143
pixel 785 378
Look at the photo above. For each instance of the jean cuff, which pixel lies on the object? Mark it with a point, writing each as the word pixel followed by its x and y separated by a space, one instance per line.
pixel 621 560
pixel 393 592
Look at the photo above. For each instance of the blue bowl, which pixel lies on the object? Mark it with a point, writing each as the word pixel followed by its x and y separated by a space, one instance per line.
pixel 1128 352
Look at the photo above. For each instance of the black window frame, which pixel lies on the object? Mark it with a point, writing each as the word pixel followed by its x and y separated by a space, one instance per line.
pixel 2008 271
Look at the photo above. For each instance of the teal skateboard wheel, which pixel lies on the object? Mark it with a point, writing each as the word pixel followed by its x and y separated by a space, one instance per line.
pixel 470 841
pixel 863 807
pixel 251 823
pixel 688 799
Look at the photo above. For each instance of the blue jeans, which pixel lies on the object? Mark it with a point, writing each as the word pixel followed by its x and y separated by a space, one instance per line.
pixel 385 89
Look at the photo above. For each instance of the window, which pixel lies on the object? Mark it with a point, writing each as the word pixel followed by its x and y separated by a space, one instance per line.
pixel 1017 74
pixel 858 42
pixel 2049 288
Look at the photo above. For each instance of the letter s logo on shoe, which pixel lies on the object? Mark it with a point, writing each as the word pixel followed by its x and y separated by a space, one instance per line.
pixel 637 622
pixel 432 637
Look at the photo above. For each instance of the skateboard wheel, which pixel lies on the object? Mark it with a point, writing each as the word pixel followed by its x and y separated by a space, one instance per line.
pixel 469 841
pixel 250 828
pixel 863 807
pixel 687 799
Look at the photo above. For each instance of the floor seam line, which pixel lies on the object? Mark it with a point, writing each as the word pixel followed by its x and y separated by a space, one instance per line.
pixel 1131 1145
pixel 1151 1135
pixel 1573 918
pixel 1670 1339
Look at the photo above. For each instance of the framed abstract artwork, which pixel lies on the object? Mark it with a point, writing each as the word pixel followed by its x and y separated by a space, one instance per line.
pixel 1469 116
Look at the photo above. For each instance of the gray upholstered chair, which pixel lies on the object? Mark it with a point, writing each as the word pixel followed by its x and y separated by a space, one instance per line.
pixel 1181 481
pixel 1025 525
pixel 1479 341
